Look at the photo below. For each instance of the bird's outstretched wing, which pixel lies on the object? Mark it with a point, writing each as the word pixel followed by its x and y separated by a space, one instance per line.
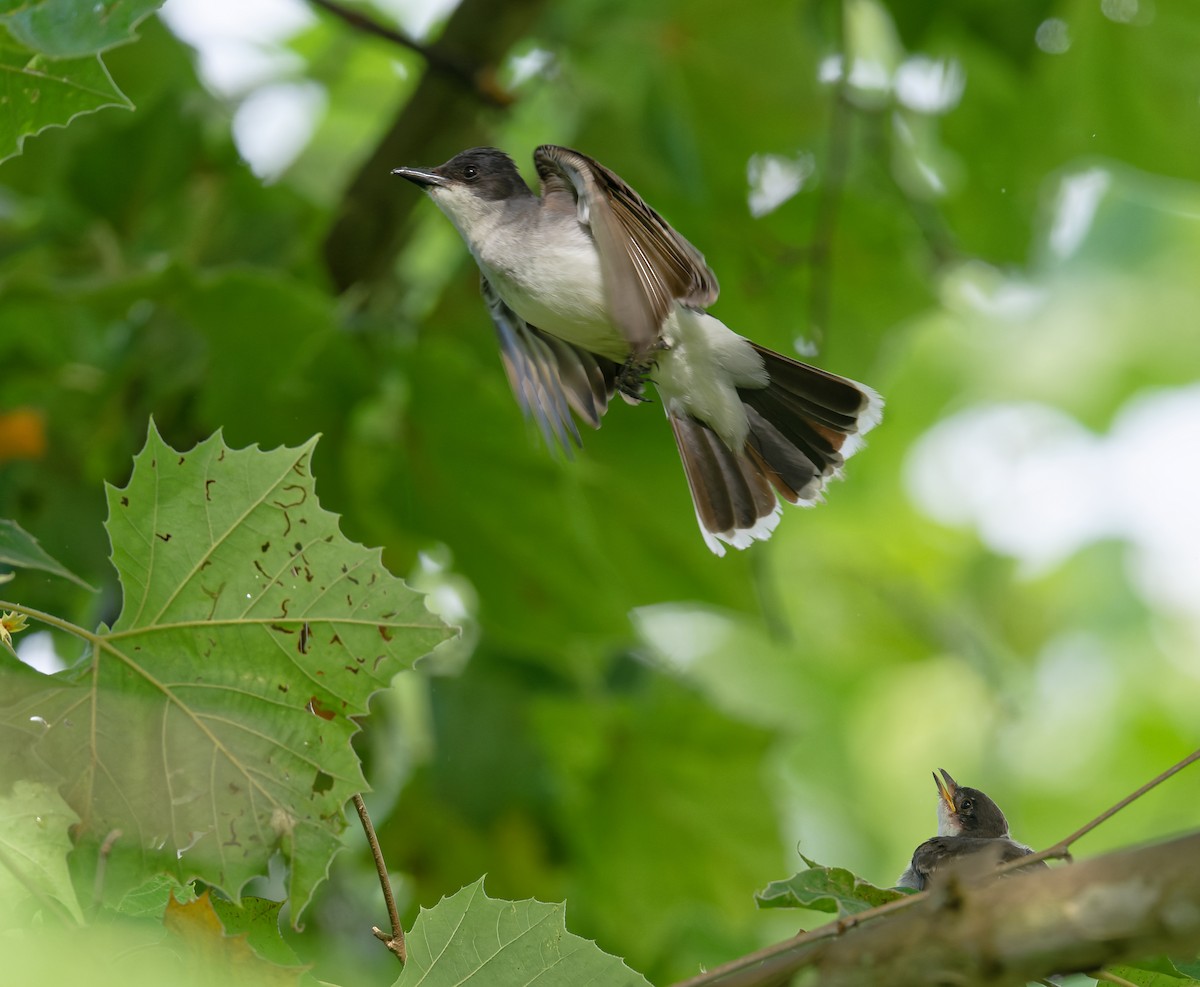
pixel 636 245
pixel 550 376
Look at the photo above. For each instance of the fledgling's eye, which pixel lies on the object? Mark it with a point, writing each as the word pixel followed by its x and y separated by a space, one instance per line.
pixel 470 173
pixel 967 805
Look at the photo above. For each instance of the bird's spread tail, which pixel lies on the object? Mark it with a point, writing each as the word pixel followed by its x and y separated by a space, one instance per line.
pixel 804 424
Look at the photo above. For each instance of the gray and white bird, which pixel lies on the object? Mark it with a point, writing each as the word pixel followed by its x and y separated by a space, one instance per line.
pixel 593 293
pixel 970 825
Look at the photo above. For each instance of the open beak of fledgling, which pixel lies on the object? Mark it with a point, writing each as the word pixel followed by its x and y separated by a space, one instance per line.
pixel 946 789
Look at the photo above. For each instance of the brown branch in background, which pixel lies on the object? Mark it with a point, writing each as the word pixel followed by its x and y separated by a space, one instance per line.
pixel 395 941
pixel 777 963
pixel 439 119
pixel 482 83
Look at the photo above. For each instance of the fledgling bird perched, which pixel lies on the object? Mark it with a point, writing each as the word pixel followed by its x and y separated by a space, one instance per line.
pixel 969 825
pixel 591 292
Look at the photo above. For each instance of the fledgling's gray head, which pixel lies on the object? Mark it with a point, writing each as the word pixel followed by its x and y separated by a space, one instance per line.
pixel 472 188
pixel 967 811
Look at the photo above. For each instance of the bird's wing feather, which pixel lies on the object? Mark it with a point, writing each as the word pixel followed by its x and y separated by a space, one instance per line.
pixel 636 245
pixel 974 855
pixel 550 376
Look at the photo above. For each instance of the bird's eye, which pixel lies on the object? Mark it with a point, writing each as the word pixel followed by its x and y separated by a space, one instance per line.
pixel 470 173
pixel 967 805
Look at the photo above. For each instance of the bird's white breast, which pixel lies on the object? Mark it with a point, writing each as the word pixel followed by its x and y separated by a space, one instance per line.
pixel 553 281
pixel 545 270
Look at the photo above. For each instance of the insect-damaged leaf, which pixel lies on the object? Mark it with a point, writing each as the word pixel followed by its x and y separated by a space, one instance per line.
pixel 211 725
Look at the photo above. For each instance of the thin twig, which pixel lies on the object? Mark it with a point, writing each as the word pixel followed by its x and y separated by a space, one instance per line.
pixel 394 942
pixel 485 88
pixel 1061 849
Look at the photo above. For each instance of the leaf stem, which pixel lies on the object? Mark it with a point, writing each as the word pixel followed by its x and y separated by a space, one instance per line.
pixel 48 618
pixel 395 941
pixel 106 849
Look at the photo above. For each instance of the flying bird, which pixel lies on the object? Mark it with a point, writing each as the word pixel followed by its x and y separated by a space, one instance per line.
pixel 592 293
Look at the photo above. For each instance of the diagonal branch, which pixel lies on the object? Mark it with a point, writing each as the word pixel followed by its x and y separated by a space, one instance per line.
pixel 439 120
pixel 473 79
pixel 1061 849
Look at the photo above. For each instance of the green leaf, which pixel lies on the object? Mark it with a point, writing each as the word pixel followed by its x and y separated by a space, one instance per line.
pixel 19 549
pixel 200 929
pixel 149 899
pixel 826 889
pixel 37 92
pixel 1189 968
pixel 505 943
pixel 258 920
pixel 69 28
pixel 211 725
pixel 33 853
pixel 1150 978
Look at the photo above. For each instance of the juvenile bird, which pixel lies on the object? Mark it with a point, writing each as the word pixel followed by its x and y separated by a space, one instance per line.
pixel 969 825
pixel 593 293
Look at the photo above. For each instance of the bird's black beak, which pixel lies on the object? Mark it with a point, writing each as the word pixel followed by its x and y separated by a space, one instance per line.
pixel 946 789
pixel 420 176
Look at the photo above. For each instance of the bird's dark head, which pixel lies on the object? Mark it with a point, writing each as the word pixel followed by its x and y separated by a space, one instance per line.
pixel 967 811
pixel 475 189
pixel 482 172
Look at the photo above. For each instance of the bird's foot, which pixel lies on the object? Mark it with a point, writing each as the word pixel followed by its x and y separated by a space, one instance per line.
pixel 632 377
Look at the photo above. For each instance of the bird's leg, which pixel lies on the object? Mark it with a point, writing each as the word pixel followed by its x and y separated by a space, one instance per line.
pixel 632 377
pixel 634 373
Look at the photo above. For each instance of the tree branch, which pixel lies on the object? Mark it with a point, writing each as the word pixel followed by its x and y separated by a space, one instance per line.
pixel 474 79
pixel 439 120
pixel 1119 906
pixel 1112 908
pixel 775 964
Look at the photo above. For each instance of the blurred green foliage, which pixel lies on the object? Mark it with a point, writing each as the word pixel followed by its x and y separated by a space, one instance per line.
pixel 641 728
